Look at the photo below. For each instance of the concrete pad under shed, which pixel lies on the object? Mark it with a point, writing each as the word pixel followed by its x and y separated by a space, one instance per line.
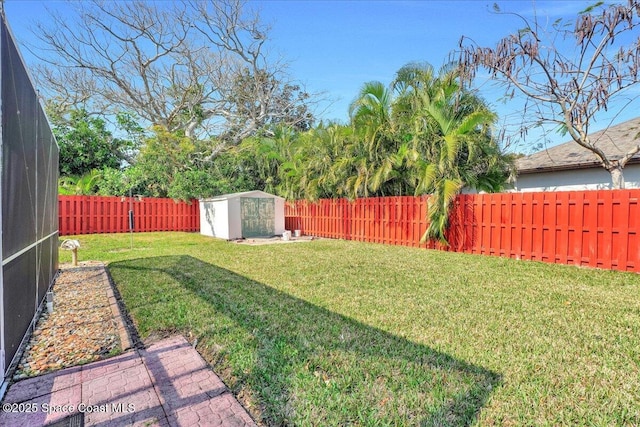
pixel 257 241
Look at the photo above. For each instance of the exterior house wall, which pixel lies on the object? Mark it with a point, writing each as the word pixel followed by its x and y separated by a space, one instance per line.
pixel 575 180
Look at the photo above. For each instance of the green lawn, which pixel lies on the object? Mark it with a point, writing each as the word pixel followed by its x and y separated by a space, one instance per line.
pixel 348 333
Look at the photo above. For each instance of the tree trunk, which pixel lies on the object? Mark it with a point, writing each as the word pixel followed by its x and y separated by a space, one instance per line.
pixel 617 178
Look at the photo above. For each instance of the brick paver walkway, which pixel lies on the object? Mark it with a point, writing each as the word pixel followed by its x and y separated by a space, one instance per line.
pixel 167 384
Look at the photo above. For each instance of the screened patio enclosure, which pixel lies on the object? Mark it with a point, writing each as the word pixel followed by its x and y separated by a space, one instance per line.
pixel 28 199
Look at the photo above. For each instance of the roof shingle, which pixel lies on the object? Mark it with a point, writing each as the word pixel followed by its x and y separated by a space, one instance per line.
pixel 615 141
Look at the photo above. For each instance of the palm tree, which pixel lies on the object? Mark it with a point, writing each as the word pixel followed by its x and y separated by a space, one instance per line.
pixel 459 141
pixel 80 185
pixel 422 135
pixel 451 130
pixel 370 112
pixel 336 165
pixel 375 157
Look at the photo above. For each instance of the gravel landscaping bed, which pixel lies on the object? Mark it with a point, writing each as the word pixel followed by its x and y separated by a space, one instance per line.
pixel 85 324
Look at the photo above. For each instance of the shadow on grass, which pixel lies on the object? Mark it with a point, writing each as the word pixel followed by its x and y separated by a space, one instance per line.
pixel 302 364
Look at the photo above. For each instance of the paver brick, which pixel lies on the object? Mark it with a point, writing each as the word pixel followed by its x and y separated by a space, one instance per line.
pixel 44 409
pixel 43 384
pixel 167 385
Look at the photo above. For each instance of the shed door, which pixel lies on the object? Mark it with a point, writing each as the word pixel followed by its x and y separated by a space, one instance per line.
pixel 258 217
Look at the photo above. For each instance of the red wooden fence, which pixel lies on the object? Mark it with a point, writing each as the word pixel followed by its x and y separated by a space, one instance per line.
pixel 590 228
pixel 96 214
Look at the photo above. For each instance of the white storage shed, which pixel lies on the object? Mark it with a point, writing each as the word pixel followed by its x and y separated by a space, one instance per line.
pixel 242 215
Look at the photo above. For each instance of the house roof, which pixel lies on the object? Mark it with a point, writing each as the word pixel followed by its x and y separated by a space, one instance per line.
pixel 615 141
pixel 254 193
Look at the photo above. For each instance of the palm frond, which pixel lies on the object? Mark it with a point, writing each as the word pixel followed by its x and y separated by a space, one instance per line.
pixel 451 147
pixel 427 177
pixel 473 121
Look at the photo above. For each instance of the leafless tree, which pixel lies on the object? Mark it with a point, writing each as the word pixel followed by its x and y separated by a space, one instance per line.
pixel 569 87
pixel 194 66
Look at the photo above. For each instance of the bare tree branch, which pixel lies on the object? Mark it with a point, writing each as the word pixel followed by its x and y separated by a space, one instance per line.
pixel 568 89
pixel 191 66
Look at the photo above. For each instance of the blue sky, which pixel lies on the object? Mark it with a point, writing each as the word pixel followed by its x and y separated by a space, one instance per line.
pixel 339 45
pixel 336 46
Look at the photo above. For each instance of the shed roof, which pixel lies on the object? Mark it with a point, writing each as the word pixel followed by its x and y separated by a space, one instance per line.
pixel 253 193
pixel 615 141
